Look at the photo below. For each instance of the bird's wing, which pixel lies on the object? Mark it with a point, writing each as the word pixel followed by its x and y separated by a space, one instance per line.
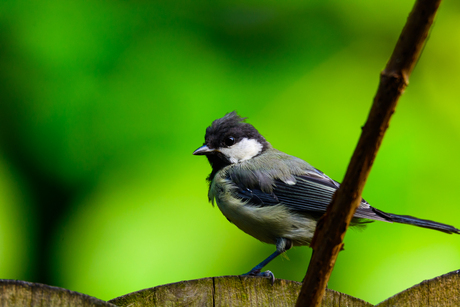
pixel 310 193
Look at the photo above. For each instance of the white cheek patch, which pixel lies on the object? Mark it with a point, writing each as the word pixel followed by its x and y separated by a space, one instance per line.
pixel 243 150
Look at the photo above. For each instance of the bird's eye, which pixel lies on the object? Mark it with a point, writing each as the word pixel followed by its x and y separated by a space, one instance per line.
pixel 229 141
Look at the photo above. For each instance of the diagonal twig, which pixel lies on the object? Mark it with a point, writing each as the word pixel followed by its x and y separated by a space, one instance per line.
pixel 328 239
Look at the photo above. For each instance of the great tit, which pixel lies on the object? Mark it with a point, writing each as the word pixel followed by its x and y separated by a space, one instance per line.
pixel 275 197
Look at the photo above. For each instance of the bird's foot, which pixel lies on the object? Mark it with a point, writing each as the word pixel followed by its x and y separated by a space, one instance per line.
pixel 257 272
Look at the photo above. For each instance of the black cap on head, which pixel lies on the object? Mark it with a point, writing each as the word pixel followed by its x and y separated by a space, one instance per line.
pixel 223 133
pixel 231 126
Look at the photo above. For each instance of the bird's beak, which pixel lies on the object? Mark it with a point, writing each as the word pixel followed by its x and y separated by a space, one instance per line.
pixel 203 150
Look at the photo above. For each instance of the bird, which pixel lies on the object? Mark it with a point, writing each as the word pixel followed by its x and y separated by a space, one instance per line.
pixel 275 197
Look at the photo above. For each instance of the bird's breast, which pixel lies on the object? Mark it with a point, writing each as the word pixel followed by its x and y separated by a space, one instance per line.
pixel 265 223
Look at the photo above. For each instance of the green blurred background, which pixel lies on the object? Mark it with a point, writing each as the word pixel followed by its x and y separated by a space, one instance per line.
pixel 103 102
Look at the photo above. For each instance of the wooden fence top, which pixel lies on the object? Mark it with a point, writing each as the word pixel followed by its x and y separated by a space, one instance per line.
pixel 226 291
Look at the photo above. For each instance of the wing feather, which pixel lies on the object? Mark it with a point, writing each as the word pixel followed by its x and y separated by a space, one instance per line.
pixel 309 194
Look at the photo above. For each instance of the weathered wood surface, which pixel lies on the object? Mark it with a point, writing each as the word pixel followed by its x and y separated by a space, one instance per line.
pixel 16 293
pixel 229 291
pixel 226 291
pixel 443 290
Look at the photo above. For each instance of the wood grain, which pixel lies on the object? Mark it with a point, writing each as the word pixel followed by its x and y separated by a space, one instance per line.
pixel 229 291
pixel 16 293
pixel 443 290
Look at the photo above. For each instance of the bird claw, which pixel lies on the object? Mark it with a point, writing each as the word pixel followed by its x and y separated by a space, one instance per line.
pixel 267 274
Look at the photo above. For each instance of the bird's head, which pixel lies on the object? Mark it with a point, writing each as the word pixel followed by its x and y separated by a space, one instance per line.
pixel 230 140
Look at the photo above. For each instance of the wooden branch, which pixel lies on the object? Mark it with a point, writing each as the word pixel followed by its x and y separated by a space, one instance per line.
pixel 329 234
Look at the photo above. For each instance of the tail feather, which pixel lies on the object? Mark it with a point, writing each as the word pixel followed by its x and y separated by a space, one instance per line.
pixel 407 219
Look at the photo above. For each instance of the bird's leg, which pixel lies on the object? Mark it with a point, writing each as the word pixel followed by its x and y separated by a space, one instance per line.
pixel 255 271
pixel 282 245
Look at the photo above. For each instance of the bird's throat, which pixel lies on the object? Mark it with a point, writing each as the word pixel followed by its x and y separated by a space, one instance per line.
pixel 218 161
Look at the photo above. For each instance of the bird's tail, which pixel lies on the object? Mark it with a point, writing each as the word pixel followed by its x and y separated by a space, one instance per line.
pixel 406 219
